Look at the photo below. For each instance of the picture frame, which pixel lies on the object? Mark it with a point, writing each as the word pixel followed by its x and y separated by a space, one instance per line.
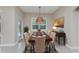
pixel 59 22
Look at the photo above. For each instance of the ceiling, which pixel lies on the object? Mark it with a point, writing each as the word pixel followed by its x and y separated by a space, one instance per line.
pixel 43 9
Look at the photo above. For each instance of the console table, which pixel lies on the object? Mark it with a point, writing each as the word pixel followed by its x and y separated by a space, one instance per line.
pixel 61 35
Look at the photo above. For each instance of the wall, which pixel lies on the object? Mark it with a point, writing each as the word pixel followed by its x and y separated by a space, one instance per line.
pixel 69 24
pixel 77 26
pixel 8 28
pixel 28 18
pixel 10 41
pixel 19 16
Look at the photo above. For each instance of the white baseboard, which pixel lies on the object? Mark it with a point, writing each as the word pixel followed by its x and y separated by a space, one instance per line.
pixel 9 45
pixel 13 45
pixel 72 47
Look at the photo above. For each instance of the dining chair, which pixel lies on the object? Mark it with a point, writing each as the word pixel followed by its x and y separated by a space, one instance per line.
pixel 52 43
pixel 26 38
pixel 53 36
pixel 40 44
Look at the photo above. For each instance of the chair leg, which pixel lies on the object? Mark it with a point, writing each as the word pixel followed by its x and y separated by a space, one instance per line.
pixel 47 48
pixel 32 50
pixel 25 49
pixel 64 40
pixel 59 40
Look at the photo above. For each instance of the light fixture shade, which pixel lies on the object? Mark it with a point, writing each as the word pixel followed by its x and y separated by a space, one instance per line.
pixel 39 20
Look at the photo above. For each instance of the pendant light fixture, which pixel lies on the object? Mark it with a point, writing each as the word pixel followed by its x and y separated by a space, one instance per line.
pixel 39 19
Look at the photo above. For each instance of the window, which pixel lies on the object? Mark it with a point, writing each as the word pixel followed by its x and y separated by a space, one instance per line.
pixel 36 26
pixel 20 27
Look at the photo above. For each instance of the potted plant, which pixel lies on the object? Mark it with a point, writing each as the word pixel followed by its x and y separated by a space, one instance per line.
pixel 26 29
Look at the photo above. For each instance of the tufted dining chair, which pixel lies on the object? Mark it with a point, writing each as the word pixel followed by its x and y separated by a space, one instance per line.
pixel 40 44
pixel 52 43
pixel 26 38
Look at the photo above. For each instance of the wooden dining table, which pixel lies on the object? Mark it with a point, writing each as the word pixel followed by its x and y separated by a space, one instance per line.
pixel 48 39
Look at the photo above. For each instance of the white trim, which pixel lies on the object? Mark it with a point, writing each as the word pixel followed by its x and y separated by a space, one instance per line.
pixel 72 47
pixel 68 46
pixel 13 45
pixel 7 45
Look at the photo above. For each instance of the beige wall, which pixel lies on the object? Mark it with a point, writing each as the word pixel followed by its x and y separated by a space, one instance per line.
pixel 7 25
pixel 10 28
pixel 28 18
pixel 69 24
pixel 19 16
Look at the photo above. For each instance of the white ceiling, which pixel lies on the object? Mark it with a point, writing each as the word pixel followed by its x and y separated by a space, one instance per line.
pixel 43 9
